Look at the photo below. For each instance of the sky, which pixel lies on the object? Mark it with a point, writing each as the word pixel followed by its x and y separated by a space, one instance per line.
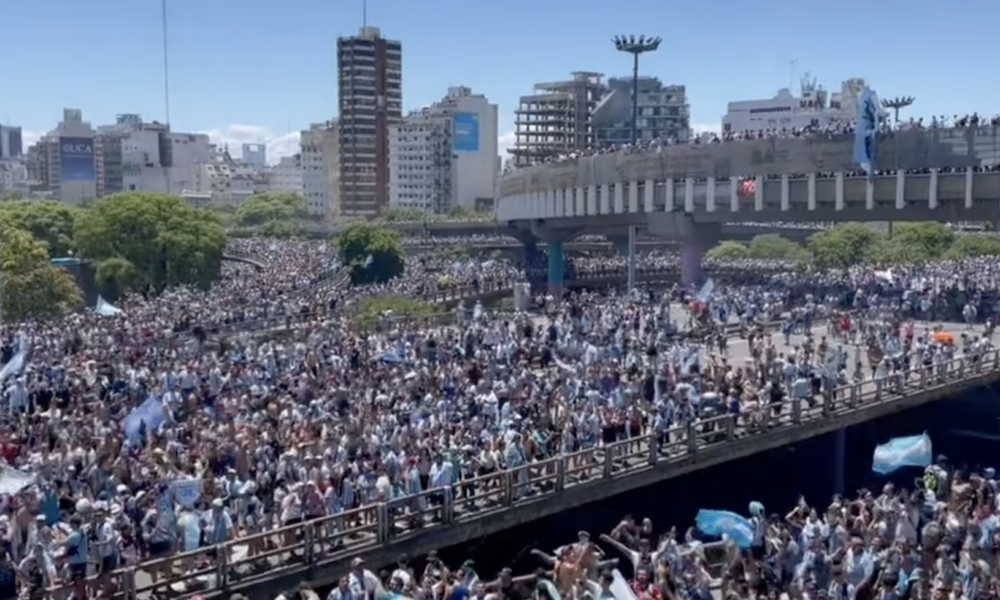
pixel 261 70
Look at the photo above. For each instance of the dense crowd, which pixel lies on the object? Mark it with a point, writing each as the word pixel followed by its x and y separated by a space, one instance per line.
pixel 937 538
pixel 128 438
pixel 832 128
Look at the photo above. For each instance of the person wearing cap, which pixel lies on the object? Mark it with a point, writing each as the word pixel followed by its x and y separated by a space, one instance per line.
pixel 402 571
pixel 108 545
pixel 364 585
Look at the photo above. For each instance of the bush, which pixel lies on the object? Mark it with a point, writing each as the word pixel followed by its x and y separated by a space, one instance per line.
pixel 853 244
pixel 375 254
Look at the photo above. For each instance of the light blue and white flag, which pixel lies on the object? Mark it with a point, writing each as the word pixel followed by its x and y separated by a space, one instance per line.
pixel 705 295
pixel 17 362
pixel 718 523
pixel 106 309
pixel 910 451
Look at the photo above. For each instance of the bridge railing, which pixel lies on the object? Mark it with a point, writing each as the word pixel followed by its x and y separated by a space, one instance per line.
pixel 319 547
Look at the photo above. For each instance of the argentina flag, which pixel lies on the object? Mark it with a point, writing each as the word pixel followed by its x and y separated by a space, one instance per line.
pixel 717 523
pixel 910 451
pixel 866 133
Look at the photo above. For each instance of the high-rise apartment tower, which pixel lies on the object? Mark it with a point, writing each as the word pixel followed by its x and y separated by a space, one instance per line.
pixel 370 88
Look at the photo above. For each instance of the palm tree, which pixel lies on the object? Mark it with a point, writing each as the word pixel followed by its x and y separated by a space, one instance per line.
pixel 897 103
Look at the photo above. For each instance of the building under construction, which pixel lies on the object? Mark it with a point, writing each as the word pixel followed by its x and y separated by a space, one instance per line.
pixel 555 119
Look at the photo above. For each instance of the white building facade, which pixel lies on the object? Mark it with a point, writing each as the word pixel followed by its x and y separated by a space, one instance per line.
pixel 445 156
pixel 319 170
pixel 286 176
pixel 814 107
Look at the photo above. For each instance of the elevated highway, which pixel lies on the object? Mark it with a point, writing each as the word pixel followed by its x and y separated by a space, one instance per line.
pixel 687 192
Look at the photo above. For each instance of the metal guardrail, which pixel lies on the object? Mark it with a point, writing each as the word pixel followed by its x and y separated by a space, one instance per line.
pixel 324 544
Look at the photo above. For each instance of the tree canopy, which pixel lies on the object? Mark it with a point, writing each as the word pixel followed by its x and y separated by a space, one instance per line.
pixel 51 223
pixel 375 254
pixel 166 241
pixel 262 209
pixel 853 244
pixel 32 287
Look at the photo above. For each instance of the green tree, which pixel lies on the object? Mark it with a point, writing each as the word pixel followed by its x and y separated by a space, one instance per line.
pixel 914 243
pixel 970 246
pixel 285 230
pixel 375 253
pixel 260 209
pixel 729 250
pixel 32 287
pixel 843 246
pixel 51 223
pixel 167 241
pixel 115 275
pixel 774 247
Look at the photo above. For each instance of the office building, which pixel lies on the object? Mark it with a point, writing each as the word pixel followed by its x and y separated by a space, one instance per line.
pixel 134 155
pixel 813 107
pixel 254 154
pixel 663 112
pixel 370 89
pixel 445 156
pixel 555 120
pixel 319 159
pixel 11 142
pixel 64 160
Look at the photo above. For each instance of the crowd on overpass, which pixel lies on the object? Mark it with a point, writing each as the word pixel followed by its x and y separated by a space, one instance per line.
pixel 935 538
pixel 833 128
pixel 127 437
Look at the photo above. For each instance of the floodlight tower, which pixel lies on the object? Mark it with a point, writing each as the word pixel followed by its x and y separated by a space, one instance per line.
pixel 636 47
pixel 898 103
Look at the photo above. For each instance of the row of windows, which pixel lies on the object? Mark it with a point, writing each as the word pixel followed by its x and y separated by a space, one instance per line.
pixel 770 109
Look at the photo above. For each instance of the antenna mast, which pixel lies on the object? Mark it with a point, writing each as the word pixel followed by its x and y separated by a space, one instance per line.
pixel 364 13
pixel 166 60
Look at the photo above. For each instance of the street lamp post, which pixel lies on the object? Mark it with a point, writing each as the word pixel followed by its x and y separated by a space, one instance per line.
pixel 895 105
pixel 635 47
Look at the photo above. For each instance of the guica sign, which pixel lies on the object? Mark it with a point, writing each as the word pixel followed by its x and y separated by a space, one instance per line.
pixel 77 149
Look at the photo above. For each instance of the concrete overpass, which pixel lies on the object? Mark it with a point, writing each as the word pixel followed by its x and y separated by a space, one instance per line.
pixel 687 192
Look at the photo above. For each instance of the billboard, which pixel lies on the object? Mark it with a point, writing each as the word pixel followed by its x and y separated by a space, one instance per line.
pixel 466 129
pixel 76 158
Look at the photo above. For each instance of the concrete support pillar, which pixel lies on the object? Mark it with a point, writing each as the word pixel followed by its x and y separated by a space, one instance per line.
pixel 970 178
pixel 932 189
pixel 900 189
pixel 692 251
pixel 839 458
pixel 557 266
pixel 838 190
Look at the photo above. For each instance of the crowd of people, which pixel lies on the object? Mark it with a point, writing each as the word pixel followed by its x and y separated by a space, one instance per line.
pixel 127 438
pixel 935 539
pixel 828 129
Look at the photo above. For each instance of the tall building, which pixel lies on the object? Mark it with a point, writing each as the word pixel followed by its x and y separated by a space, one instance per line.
pixel 445 156
pixel 254 154
pixel 11 142
pixel 370 88
pixel 813 107
pixel 556 119
pixel 64 161
pixel 320 160
pixel 663 112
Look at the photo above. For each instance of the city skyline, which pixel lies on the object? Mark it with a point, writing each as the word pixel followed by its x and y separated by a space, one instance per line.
pixel 217 56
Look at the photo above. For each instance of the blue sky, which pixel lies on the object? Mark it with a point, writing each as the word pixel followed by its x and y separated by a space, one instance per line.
pixel 256 70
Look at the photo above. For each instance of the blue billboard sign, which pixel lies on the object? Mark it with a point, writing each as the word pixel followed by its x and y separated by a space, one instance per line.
pixel 76 158
pixel 466 128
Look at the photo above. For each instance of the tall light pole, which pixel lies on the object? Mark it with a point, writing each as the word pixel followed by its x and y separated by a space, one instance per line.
pixel 898 103
pixel 635 47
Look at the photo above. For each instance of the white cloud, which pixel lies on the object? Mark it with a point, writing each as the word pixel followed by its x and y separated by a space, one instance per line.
pixel 278 144
pixel 505 143
pixel 30 138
